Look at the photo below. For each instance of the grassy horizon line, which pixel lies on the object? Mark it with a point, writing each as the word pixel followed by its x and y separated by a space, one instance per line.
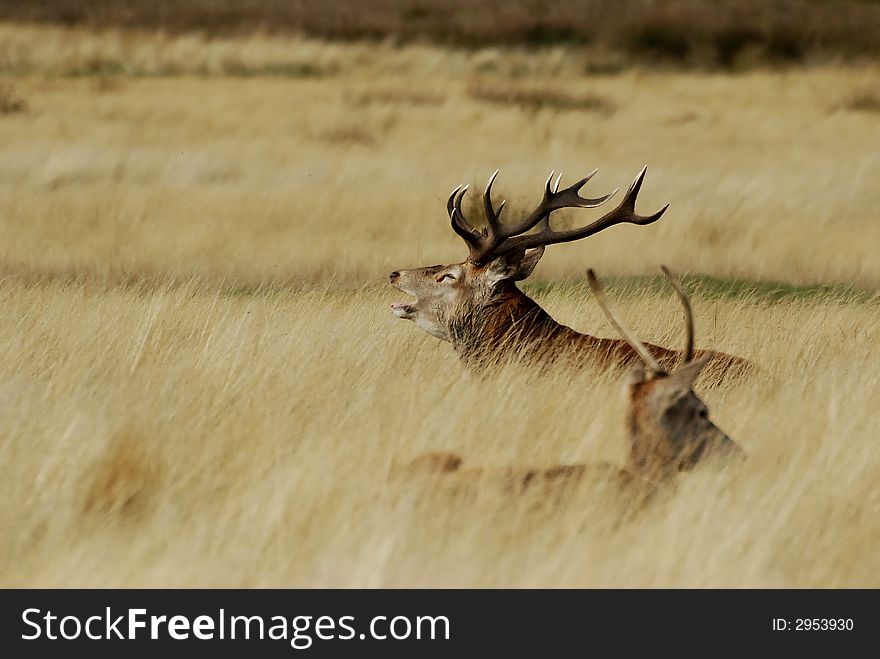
pixel 723 34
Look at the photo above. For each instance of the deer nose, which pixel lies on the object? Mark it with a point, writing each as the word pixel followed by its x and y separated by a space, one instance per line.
pixel 394 276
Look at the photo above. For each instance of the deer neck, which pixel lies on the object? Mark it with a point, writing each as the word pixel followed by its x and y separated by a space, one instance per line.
pixel 510 322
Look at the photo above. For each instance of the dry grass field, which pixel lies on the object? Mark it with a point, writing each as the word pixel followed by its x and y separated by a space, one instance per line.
pixel 202 383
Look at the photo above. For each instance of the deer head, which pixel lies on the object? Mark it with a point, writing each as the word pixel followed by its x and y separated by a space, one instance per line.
pixel 500 255
pixel 669 425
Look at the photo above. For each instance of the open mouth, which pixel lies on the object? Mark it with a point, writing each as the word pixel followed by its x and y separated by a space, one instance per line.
pixel 403 309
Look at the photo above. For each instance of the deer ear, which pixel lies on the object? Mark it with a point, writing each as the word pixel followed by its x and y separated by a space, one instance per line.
pixel 688 373
pixel 515 265
pixel 528 263
pixel 634 377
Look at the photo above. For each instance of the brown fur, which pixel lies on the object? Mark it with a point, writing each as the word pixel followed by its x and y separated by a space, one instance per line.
pixel 550 481
pixel 668 424
pixel 491 323
pixel 477 306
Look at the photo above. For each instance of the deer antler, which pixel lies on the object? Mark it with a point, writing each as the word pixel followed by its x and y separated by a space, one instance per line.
pixel 688 313
pixel 622 329
pixel 496 239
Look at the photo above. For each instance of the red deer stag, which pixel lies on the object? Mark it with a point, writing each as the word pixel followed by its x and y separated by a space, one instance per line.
pixel 476 304
pixel 668 425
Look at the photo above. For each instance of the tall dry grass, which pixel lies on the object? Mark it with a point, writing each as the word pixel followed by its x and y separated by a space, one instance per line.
pixel 202 385
pixel 186 435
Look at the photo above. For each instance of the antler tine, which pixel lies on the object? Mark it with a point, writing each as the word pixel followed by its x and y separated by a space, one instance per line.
pixel 622 329
pixel 554 199
pixel 496 239
pixel 688 313
pixel 459 223
pixel 480 242
pixel 544 223
pixel 453 207
pixel 450 203
pixel 629 203
pixel 624 214
pixel 492 215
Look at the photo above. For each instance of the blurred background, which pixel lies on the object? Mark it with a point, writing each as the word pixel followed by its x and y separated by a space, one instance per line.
pixel 200 200
pixel 709 33
pixel 285 141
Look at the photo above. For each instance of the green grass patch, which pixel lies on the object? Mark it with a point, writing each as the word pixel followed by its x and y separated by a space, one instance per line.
pixel 710 287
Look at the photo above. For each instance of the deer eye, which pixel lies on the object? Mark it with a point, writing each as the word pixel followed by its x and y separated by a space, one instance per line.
pixel 703 413
pixel 444 277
